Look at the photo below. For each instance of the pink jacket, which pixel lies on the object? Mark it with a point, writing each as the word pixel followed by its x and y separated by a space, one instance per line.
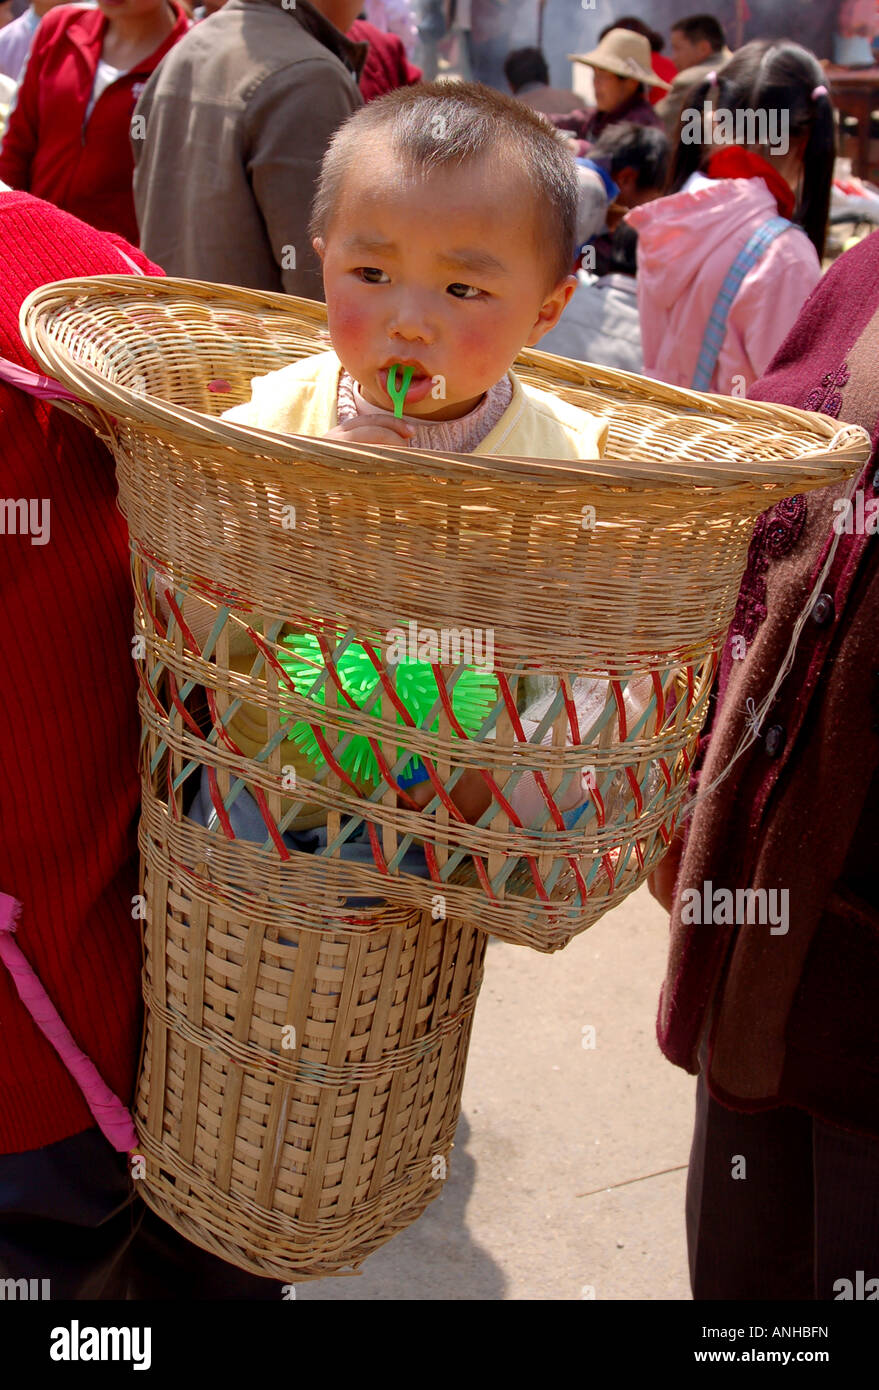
pixel 686 244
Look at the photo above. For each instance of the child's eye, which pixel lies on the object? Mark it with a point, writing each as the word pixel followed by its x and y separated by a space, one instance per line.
pixel 469 291
pixel 370 275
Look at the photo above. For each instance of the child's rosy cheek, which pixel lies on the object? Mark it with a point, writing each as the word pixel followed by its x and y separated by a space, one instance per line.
pixel 350 325
pixel 478 350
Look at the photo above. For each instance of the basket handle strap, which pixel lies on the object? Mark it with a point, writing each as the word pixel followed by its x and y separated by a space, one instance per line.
pixel 32 383
pixel 45 388
pixel 715 331
pixel 132 265
pixel 110 1114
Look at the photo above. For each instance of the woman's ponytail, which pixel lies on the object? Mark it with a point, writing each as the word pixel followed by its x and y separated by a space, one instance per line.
pixel 818 160
pixel 687 155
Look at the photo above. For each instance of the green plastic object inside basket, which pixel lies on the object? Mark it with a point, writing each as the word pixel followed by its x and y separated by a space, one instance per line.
pixel 473 697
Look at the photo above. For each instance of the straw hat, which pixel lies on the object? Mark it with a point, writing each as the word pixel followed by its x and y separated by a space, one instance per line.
pixel 624 53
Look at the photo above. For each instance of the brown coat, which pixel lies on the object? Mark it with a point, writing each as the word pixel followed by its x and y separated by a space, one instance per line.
pixel 233 133
pixel 793 1017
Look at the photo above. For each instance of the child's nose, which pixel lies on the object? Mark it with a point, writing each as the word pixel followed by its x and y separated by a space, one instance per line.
pixel 410 321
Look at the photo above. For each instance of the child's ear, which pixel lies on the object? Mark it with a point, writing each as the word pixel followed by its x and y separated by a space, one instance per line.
pixel 551 310
pixel 319 245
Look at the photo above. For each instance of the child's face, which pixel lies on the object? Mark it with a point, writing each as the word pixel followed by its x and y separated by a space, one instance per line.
pixel 445 272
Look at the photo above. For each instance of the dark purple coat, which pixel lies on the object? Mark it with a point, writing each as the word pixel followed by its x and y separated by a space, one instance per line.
pixel 586 126
pixel 793 1018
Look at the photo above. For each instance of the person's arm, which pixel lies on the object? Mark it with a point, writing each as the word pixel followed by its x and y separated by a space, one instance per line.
pixel 22 130
pixel 289 124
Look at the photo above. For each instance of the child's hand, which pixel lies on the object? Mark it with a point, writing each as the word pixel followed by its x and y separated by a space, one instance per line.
pixel 373 429
pixel 662 880
pixel 470 794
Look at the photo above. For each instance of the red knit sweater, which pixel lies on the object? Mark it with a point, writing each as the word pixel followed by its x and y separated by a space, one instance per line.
pixel 68 718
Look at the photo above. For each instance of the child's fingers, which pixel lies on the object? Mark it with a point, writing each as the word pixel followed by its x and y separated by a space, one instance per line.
pixel 384 431
pixel 377 435
pixel 385 425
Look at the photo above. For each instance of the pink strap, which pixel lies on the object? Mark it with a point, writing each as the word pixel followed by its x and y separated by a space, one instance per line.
pixel 132 265
pixel 113 1119
pixel 43 387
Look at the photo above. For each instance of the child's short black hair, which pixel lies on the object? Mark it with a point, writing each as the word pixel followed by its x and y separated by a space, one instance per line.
pixel 702 26
pixel 433 124
pixel 525 65
pixel 626 145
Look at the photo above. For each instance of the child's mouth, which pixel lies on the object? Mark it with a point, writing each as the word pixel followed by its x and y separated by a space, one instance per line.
pixel 419 386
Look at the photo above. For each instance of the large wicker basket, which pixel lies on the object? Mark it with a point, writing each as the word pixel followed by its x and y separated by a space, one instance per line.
pixel 299 1089
pixel 624 571
pixel 304 1051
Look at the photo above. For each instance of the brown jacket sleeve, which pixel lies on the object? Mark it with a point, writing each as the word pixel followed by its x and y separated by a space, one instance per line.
pixel 288 126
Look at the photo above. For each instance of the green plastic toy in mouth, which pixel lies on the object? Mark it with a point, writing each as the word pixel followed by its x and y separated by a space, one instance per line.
pixel 399 396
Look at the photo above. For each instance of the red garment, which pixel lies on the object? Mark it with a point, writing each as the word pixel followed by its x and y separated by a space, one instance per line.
pixel 69 729
pixel 735 162
pixel 386 65
pixel 48 151
pixel 664 68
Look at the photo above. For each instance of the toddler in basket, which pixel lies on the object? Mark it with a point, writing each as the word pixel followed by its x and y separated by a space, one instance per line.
pixel 445 221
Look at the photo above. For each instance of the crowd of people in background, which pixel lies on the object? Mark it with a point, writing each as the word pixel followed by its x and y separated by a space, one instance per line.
pixel 198 134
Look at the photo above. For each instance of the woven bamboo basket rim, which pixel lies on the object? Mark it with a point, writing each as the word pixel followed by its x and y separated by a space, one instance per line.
pixel 836 449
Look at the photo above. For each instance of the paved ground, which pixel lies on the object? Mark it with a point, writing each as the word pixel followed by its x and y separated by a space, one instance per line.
pixel 569 1164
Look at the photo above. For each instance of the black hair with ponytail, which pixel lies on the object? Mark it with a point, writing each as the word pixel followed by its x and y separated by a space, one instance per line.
pixel 771 76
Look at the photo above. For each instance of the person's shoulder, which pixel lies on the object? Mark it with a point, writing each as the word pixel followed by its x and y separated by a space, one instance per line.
pixel 760 208
pixel 644 114
pixel 690 77
pixel 276 398
pixel 248 54
pixel 26 218
pixel 857 269
pixel 273 34
pixel 64 18
pixel 42 242
pixel 14 31
pixel 791 253
pixel 277 25
pixel 8 41
pixel 306 371
pixel 558 421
